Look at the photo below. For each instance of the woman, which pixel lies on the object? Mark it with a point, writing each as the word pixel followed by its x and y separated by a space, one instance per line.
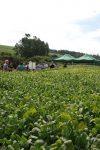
pixel 21 67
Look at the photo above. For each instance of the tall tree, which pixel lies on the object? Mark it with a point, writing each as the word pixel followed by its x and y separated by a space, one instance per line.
pixel 29 47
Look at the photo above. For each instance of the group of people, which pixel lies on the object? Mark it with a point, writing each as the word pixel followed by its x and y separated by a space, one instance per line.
pixel 7 66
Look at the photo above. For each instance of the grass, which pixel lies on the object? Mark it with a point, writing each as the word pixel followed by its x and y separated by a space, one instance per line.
pixel 8 49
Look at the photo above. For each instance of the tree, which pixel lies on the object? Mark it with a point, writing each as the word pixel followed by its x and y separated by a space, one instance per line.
pixel 29 47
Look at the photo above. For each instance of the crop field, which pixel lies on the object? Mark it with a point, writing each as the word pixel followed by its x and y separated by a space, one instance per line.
pixel 50 109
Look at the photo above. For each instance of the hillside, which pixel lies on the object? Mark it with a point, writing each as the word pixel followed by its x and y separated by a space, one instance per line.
pixel 53 52
pixel 7 49
pixel 73 53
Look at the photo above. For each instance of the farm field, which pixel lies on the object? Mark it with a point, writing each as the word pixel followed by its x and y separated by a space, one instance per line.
pixel 50 109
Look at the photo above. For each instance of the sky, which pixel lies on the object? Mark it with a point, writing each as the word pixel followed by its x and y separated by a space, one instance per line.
pixel 64 24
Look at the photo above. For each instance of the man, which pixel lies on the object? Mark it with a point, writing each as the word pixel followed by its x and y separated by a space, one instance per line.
pixel 5 65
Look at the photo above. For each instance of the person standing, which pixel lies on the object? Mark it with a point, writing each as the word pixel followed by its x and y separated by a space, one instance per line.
pixel 27 67
pixel 21 67
pixel 6 65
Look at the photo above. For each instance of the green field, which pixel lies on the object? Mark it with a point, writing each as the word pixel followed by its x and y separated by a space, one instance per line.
pixel 50 109
pixel 8 49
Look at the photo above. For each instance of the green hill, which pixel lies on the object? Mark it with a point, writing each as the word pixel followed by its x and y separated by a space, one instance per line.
pixel 7 49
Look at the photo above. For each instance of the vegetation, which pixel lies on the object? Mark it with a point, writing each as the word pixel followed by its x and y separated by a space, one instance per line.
pixel 9 50
pixel 6 49
pixel 29 47
pixel 32 49
pixel 50 109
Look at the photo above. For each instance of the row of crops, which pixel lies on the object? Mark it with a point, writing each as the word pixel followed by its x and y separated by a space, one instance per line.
pixel 50 109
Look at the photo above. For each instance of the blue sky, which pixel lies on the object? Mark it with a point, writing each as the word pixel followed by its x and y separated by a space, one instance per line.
pixel 64 24
pixel 90 24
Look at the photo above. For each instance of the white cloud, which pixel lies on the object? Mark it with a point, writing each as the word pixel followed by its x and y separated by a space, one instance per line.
pixel 51 20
